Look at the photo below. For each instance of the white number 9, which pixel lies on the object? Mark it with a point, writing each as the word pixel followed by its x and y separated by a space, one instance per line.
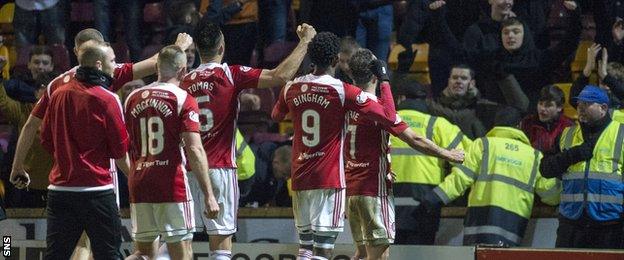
pixel 313 129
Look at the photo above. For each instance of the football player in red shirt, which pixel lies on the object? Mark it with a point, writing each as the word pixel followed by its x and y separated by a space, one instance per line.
pixel 216 87
pixel 318 104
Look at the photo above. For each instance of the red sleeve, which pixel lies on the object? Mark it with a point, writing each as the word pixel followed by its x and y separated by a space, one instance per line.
pixel 245 77
pixel 116 133
pixel 45 135
pixel 396 129
pixel 41 107
pixel 357 100
pixel 386 98
pixel 189 115
pixel 122 75
pixel 280 109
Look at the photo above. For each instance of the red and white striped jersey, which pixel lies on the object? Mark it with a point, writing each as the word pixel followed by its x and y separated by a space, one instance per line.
pixel 318 107
pixel 156 116
pixel 216 88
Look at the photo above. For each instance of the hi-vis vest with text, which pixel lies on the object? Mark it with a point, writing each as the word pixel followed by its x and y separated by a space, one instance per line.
pixel 594 186
pixel 411 166
pixel 502 172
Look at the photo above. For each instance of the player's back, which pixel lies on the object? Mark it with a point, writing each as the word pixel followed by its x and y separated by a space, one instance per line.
pixel 316 105
pixel 216 88
pixel 156 116
pixel 366 156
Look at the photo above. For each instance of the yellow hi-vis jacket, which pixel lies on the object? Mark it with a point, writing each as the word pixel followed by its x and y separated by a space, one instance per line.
pixel 411 166
pixel 502 170
pixel 245 158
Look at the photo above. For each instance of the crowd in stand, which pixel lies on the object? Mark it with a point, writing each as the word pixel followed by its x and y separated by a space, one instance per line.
pixel 483 57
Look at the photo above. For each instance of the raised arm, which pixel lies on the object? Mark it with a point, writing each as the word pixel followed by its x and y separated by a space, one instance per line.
pixel 288 67
pixel 199 164
pixel 147 67
pixel 428 147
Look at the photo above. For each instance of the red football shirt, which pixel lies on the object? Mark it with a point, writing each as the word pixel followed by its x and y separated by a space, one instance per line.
pixel 83 131
pixel 216 88
pixel 156 116
pixel 318 107
pixel 367 162
pixel 122 75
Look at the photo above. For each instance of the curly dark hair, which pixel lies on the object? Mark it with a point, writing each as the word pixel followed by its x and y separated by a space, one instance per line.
pixel 360 66
pixel 207 37
pixel 324 49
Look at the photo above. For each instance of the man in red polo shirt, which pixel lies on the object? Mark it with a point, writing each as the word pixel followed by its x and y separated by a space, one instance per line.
pixel 83 128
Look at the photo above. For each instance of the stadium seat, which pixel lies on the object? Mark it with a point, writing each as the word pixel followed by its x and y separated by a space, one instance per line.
pixel 153 13
pixel 568 109
pixel 81 12
pixel 420 67
pixel 6 13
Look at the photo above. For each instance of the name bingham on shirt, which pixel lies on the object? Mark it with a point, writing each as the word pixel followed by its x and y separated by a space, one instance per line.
pixel 311 97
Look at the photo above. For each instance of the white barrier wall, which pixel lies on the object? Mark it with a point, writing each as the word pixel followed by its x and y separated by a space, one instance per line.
pixel 540 233
pixel 34 250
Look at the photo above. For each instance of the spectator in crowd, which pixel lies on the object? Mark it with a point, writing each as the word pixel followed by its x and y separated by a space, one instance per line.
pixel 543 127
pixel 270 185
pixel 374 25
pixel 238 21
pixel 588 160
pixel 45 17
pixel 501 171
pixel 536 13
pixel 607 14
pixel 348 46
pixel 414 224
pixel 38 161
pixel 417 26
pixel 485 34
pixel 130 86
pixel 281 165
pixel 610 76
pixel 273 20
pixel 462 104
pixel 192 56
pixel 132 12
pixel 40 61
pixel 329 16
pixel 518 55
pixel 615 45
pixel 181 13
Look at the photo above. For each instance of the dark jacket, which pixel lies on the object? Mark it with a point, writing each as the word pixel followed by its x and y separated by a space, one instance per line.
pixel 532 67
pixel 543 136
pixel 474 115
pixel 558 163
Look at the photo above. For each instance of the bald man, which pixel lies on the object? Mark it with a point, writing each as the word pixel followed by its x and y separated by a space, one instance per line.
pixel 83 128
